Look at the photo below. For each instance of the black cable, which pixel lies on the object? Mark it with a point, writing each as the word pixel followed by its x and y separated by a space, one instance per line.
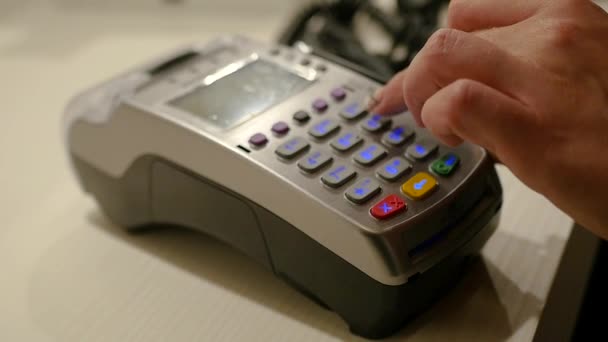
pixel 409 26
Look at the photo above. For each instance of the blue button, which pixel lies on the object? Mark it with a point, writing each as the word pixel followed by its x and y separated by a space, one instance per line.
pixel 314 161
pixel 370 154
pixel 292 147
pixel 376 123
pixel 338 176
pixel 346 142
pixel 320 105
pixel 422 149
pixel 324 128
pixel 394 169
pixel 280 128
pixel 353 111
pixel 363 190
pixel 397 136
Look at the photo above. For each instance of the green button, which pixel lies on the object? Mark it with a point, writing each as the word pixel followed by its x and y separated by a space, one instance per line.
pixel 445 165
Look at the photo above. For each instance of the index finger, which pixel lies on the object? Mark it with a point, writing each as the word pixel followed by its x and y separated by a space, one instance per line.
pixel 388 99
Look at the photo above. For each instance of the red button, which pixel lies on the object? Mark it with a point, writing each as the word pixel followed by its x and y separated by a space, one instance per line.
pixel 388 207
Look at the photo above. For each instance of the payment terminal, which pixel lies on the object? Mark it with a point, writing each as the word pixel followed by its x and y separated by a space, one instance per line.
pixel 271 150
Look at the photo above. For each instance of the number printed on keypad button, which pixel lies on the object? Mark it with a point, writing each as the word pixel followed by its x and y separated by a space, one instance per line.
pixel 370 154
pixel 323 128
pixel 346 142
pixel 376 123
pixel 292 147
pixel 363 190
pixel 314 161
pixel 421 149
pixel 397 136
pixel 338 176
pixel 420 186
pixel 394 169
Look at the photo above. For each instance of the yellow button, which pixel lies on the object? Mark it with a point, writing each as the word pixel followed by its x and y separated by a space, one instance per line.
pixel 419 186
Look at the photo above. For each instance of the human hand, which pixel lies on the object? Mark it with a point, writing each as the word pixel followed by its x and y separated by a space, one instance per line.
pixel 528 81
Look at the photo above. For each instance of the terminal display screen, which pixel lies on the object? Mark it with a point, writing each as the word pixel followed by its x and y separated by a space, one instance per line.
pixel 242 94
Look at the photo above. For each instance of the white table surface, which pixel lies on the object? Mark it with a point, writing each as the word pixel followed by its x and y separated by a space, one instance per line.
pixel 70 275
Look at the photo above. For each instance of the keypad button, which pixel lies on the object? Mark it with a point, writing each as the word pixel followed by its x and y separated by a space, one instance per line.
pixel 363 190
pixel 320 105
pixel 397 136
pixel 338 176
pixel 314 161
pixel 370 154
pixel 346 142
pixel 394 169
pixel 338 94
pixel 376 123
pixel 280 128
pixel 324 128
pixel 445 165
pixel 419 186
pixel 420 150
pixel 258 140
pixel 292 148
pixel 390 206
pixel 301 116
pixel 353 111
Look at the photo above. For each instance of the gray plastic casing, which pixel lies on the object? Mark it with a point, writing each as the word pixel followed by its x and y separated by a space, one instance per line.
pixel 111 126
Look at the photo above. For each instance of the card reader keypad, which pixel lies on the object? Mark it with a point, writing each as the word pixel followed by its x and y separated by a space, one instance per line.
pixel 352 162
pixel 321 139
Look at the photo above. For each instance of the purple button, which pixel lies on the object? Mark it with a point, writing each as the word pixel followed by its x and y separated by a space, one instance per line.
pixel 338 94
pixel 258 139
pixel 280 127
pixel 320 105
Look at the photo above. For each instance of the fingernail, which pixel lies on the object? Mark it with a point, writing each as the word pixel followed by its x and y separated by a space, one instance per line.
pixel 375 99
